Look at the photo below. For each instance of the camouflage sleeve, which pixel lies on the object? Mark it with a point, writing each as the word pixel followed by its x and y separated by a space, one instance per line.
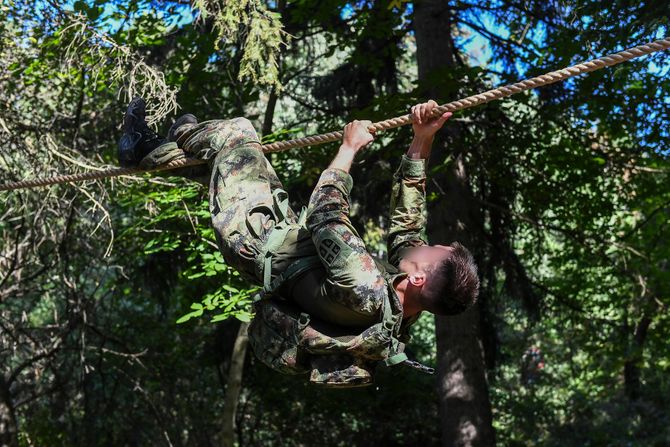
pixel 408 208
pixel 353 278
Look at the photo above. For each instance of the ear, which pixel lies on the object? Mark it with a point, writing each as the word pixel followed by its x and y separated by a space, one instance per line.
pixel 417 279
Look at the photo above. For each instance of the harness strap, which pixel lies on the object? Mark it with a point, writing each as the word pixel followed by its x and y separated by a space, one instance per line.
pixel 295 269
pixel 276 240
pixel 395 359
pixel 280 199
pixel 390 322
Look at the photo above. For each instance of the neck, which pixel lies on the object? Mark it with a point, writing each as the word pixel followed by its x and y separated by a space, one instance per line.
pixel 408 296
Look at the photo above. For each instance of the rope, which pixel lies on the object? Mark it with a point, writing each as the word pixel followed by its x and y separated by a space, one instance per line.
pixel 312 140
pixel 96 175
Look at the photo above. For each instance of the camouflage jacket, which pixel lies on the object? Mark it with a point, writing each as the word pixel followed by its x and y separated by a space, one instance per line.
pixel 351 288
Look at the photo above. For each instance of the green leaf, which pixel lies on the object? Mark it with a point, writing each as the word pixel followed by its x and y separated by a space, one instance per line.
pixel 219 317
pixel 230 288
pixel 243 317
pixel 184 319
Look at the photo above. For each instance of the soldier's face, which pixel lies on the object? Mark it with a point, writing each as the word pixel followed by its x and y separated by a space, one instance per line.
pixel 424 257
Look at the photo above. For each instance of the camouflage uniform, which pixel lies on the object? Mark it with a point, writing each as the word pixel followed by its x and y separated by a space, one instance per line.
pixel 351 289
pixel 247 202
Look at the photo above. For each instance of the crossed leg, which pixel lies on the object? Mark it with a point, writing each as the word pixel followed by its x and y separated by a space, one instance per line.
pixel 242 192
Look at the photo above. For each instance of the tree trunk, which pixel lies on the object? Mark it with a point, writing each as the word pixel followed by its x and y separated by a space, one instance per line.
pixel 274 95
pixel 8 425
pixel 465 409
pixel 631 367
pixel 234 386
pixel 269 113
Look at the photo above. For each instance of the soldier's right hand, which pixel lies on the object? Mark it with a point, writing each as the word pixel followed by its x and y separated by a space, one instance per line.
pixel 357 135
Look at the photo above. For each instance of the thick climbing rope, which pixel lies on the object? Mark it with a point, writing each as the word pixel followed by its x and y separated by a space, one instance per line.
pixel 312 140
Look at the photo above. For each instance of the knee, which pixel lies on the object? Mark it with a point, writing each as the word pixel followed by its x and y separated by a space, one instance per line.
pixel 240 127
pixel 246 127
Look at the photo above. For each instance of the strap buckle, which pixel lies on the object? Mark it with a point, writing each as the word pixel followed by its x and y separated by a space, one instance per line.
pixel 419 367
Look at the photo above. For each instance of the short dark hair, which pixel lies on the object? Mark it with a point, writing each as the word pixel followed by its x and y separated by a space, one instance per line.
pixel 453 284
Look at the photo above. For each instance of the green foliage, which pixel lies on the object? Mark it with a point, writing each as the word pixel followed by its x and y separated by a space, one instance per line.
pixel 228 300
pixel 178 220
pixel 260 31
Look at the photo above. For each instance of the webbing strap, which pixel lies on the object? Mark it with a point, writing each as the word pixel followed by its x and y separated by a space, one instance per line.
pixel 389 319
pixel 275 241
pixel 280 199
pixel 395 359
pixel 278 234
pixel 295 269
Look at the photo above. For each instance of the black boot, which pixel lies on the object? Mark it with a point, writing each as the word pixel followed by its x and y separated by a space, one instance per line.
pixel 174 131
pixel 137 139
pixel 169 151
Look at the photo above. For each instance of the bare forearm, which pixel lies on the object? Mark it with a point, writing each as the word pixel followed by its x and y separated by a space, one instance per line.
pixel 344 158
pixel 420 147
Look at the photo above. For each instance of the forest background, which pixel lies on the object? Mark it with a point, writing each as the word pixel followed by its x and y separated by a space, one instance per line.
pixel 561 193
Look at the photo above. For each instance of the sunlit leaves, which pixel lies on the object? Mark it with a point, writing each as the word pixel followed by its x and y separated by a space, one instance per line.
pixel 260 31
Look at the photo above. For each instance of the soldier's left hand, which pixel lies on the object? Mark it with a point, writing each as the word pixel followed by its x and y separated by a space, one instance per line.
pixel 357 135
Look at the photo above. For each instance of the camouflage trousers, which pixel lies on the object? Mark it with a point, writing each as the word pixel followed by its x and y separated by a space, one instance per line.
pixel 244 190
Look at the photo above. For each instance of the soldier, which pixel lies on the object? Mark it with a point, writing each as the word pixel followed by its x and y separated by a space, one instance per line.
pixel 317 261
